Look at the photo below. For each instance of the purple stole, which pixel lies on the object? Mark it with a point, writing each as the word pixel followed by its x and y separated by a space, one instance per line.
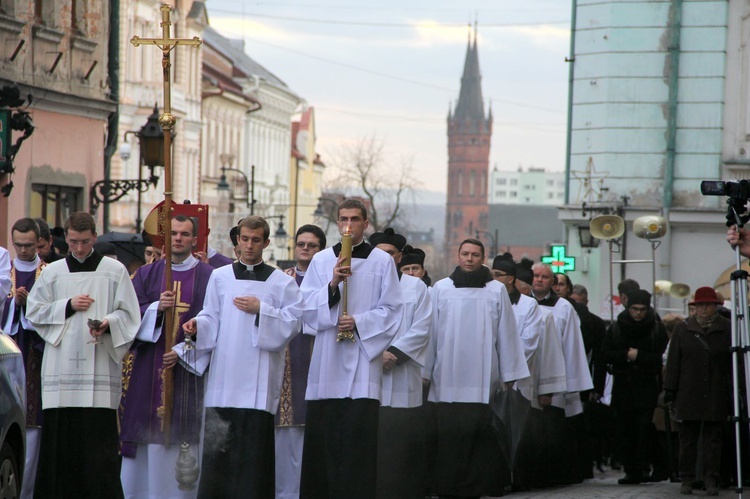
pixel 32 349
pixel 292 405
pixel 219 260
pixel 141 404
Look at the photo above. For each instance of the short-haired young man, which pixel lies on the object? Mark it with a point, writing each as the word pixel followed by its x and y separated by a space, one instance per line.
pixel 250 313
pixel 344 385
pixel 474 347
pixel 82 378
pixel 291 416
pixel 25 269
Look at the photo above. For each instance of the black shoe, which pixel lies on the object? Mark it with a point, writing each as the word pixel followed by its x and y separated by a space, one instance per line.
pixel 630 480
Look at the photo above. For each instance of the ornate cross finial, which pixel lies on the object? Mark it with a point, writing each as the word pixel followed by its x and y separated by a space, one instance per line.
pixel 166 44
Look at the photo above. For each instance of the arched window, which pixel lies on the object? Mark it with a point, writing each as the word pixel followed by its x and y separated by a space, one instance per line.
pixel 472 183
pixel 460 184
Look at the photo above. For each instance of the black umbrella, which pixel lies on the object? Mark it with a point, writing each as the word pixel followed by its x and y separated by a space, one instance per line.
pixel 509 413
pixel 129 247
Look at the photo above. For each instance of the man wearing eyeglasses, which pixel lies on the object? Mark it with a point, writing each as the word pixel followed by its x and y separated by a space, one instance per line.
pixel 23 273
pixel 633 348
pixel 290 418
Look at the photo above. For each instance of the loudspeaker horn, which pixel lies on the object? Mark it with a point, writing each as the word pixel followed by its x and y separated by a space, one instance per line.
pixel 679 290
pixel 662 287
pixel 607 227
pixel 650 227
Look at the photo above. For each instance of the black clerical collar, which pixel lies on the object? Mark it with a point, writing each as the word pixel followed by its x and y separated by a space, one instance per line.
pixel 549 300
pixel 88 265
pixel 475 279
pixel 514 295
pixel 362 250
pixel 258 272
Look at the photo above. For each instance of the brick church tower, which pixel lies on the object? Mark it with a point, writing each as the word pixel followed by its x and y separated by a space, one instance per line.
pixel 469 135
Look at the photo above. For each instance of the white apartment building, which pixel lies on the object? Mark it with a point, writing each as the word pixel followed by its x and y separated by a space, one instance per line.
pixel 526 186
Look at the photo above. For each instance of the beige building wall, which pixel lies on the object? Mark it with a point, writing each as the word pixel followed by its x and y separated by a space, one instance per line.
pixel 60 58
pixel 142 86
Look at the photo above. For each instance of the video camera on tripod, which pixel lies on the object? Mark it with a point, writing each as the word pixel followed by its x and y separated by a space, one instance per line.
pixel 738 195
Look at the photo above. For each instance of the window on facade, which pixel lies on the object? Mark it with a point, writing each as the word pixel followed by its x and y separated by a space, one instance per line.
pixel 44 11
pixel 55 203
pixel 513 194
pixel 559 195
pixel 514 181
pixel 502 181
pixel 460 184
pixel 78 16
pixel 550 195
pixel 7 8
pixel 472 183
pixel 502 194
pixel 550 182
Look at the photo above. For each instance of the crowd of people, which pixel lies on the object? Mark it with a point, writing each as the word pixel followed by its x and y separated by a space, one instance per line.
pixel 350 376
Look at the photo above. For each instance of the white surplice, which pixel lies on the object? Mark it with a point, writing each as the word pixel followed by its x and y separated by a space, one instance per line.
pixel 5 282
pixel 76 373
pixel 543 351
pixel 402 384
pixel 12 323
pixel 351 369
pixel 473 342
pixel 247 365
pixel 578 376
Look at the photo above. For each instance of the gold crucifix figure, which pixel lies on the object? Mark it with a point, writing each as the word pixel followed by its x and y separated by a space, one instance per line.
pixel 167 122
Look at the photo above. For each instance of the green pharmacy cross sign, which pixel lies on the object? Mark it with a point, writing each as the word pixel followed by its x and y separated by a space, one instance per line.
pixel 559 261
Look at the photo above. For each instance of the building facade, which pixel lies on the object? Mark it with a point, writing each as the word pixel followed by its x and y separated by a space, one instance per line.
pixel 247 126
pixel 469 137
pixel 305 174
pixel 141 88
pixel 57 52
pixel 658 103
pixel 530 186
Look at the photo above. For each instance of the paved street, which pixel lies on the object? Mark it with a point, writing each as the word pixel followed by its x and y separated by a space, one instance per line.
pixel 604 486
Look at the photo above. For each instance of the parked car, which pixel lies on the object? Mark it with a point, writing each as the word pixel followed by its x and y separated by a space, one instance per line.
pixel 12 417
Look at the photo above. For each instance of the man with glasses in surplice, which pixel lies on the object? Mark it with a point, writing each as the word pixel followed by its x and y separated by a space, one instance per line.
pixel 290 418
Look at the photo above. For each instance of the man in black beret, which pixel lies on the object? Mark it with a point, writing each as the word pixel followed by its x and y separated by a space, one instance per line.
pixel 633 348
pixel 412 263
pixel 401 468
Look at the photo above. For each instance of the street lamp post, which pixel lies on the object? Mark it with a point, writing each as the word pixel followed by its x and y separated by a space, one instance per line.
pixel 493 241
pixel 151 139
pixel 223 185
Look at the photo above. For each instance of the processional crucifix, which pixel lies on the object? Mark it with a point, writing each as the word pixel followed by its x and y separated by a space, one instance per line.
pixel 167 122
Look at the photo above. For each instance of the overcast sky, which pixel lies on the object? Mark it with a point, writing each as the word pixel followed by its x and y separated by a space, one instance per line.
pixel 391 68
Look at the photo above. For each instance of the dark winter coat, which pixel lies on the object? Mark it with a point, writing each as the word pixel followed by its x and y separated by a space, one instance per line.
pixel 635 384
pixel 701 378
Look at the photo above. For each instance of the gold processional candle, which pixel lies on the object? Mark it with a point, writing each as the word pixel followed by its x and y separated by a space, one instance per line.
pixel 346 252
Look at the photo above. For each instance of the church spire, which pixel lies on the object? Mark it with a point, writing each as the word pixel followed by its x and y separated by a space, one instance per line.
pixel 470 104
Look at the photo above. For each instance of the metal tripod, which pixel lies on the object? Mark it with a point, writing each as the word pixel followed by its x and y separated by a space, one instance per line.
pixel 740 339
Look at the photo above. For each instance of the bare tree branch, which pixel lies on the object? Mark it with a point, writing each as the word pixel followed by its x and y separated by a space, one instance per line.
pixel 365 169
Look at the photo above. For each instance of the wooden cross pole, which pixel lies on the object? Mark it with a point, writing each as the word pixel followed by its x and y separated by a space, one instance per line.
pixel 167 122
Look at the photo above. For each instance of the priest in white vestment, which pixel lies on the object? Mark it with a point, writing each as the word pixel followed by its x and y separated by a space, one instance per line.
pixel 474 346
pixel 577 371
pixel 81 370
pixel 402 451
pixel 339 458
pixel 250 314
pixel 546 363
